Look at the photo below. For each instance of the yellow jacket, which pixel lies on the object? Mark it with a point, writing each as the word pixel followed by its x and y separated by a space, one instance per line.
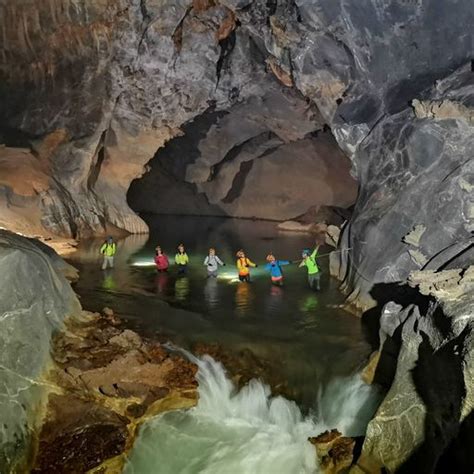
pixel 108 249
pixel 181 258
pixel 243 265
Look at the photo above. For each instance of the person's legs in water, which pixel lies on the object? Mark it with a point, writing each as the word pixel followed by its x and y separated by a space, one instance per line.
pixel 108 262
pixel 314 281
pixel 245 278
pixel 182 269
pixel 277 281
pixel 212 274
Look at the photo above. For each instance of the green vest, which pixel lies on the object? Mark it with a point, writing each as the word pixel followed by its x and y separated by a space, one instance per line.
pixel 181 258
pixel 108 249
pixel 311 264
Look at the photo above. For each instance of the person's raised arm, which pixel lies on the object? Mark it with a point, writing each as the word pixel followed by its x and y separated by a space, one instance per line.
pixel 250 263
pixel 315 252
pixel 283 262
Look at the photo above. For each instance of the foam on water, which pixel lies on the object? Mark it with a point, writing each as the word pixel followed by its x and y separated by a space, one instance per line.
pixel 247 431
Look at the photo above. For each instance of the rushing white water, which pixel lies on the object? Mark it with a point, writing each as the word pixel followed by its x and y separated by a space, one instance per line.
pixel 247 431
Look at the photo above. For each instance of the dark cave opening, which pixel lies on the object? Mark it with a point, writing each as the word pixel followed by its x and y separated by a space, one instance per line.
pixel 248 162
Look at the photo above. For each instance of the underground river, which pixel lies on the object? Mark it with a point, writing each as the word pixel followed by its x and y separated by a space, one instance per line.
pixel 315 349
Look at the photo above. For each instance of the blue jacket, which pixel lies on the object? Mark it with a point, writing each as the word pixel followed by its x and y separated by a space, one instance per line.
pixel 275 267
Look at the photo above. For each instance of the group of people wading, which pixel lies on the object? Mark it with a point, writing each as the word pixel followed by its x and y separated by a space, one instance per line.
pixel 212 263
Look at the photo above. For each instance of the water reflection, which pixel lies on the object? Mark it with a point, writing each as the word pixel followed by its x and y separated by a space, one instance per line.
pixel 181 289
pixel 211 293
pixel 161 283
pixel 243 298
pixel 108 283
pixel 309 304
pixel 273 302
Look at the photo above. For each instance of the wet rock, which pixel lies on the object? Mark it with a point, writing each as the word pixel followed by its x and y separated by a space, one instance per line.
pixel 420 419
pixel 368 373
pixel 325 441
pixel 116 376
pixel 35 299
pixel 78 436
pixel 334 451
pixel 156 352
pixel 108 312
pixel 136 410
pixel 127 339
pixel 244 366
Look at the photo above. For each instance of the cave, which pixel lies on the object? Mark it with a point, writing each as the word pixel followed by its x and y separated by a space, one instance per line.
pixel 224 164
pixel 236 236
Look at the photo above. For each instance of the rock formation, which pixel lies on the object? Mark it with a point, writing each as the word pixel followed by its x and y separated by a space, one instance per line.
pixel 107 382
pixel 248 88
pixel 425 422
pixel 74 386
pixel 229 92
pixel 35 298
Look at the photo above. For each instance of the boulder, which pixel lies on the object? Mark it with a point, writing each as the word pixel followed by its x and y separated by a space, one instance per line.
pixel 35 299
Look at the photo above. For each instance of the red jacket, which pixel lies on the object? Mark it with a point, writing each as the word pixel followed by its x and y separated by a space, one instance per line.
pixel 161 262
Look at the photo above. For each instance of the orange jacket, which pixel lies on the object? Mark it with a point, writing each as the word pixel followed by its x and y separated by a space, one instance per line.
pixel 243 265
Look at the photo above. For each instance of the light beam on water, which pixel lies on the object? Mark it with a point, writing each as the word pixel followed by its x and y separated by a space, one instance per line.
pixel 247 431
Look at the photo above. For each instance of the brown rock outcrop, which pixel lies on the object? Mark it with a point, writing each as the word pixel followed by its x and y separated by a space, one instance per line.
pixel 334 451
pixel 109 381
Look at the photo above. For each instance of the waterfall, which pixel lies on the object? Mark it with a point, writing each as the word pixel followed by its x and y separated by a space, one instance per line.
pixel 246 431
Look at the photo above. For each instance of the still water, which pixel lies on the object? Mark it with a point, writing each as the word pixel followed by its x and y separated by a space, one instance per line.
pixel 298 331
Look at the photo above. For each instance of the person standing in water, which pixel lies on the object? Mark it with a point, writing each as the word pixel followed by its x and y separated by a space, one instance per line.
pixel 161 260
pixel 243 265
pixel 181 259
pixel 212 261
pixel 108 250
pixel 309 261
pixel 274 267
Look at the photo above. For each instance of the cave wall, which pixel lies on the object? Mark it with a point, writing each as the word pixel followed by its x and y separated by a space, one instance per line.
pixel 92 91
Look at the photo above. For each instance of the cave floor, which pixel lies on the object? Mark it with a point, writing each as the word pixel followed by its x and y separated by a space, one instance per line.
pixel 300 333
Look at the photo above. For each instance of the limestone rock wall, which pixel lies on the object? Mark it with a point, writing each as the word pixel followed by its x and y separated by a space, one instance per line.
pixel 424 423
pixel 35 298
